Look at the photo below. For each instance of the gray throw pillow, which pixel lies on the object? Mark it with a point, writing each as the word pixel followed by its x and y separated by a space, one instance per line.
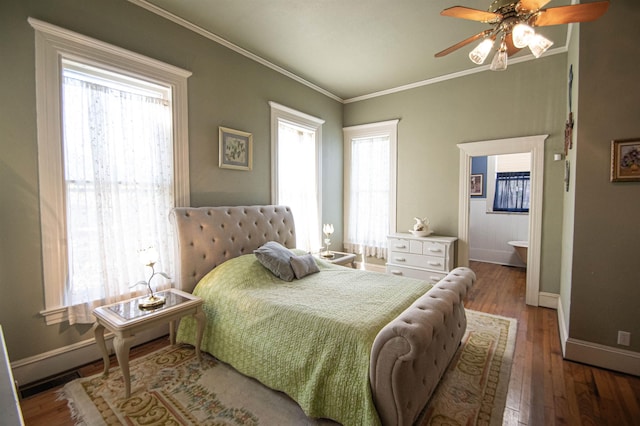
pixel 276 258
pixel 304 265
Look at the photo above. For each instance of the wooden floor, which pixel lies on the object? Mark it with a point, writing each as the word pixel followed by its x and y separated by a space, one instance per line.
pixel 544 389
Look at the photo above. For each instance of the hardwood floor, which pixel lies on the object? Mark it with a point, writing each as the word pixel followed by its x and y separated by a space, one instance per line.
pixel 544 389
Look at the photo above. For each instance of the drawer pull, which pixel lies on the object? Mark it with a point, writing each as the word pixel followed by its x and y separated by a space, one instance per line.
pixel 396 272
pixel 435 264
pixel 400 259
pixel 400 246
pixel 435 250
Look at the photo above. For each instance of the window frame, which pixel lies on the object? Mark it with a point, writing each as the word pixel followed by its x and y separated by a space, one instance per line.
pixel 52 44
pixel 281 112
pixel 382 128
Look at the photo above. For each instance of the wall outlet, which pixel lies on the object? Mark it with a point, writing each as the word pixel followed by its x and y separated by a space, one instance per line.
pixel 624 338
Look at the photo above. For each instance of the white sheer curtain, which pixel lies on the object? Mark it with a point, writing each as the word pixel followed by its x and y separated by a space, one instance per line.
pixel 369 196
pixel 298 181
pixel 118 162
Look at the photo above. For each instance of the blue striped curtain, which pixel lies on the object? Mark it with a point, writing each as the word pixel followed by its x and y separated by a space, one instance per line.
pixel 512 192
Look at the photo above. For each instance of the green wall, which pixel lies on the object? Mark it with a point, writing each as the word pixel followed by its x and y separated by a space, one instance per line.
pixel 226 89
pixel 526 99
pixel 605 289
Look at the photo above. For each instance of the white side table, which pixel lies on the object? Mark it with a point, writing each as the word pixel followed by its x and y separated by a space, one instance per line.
pixel 339 258
pixel 125 319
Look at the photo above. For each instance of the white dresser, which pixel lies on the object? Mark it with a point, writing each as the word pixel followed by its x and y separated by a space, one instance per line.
pixel 426 258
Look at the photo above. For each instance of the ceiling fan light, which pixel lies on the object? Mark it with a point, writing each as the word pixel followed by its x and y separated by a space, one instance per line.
pixel 499 62
pixel 522 35
pixel 480 53
pixel 539 45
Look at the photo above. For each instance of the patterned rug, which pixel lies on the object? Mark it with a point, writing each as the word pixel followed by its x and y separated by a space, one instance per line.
pixel 169 387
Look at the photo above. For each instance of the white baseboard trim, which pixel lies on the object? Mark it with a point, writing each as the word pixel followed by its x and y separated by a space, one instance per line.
pixel 563 328
pixel 603 356
pixel 548 300
pixel 41 366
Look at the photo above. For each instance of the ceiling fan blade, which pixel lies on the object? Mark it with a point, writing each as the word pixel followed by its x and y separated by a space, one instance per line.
pixel 462 43
pixel 567 14
pixel 532 5
pixel 471 14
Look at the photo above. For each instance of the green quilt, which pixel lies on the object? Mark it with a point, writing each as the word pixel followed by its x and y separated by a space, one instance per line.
pixel 310 338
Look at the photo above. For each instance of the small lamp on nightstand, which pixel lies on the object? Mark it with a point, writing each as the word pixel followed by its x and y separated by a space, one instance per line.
pixel 149 257
pixel 327 229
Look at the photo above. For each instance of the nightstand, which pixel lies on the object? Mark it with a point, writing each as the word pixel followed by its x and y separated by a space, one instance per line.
pixel 339 258
pixel 125 319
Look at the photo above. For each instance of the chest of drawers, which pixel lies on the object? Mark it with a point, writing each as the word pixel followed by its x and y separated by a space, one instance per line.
pixel 426 258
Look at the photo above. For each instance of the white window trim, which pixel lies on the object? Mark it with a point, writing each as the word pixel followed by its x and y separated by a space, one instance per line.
pixel 381 128
pixel 281 112
pixel 52 44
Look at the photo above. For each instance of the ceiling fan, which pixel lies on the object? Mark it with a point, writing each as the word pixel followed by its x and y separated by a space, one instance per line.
pixel 513 22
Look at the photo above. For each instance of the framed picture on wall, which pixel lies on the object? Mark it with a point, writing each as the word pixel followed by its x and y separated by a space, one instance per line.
pixel 476 187
pixel 235 149
pixel 625 160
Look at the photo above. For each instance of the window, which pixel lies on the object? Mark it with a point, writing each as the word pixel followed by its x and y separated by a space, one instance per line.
pixel 370 187
pixel 296 179
pixel 508 183
pixel 512 192
pixel 113 160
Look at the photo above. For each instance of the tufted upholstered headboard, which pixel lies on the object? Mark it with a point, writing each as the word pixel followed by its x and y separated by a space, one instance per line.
pixel 207 236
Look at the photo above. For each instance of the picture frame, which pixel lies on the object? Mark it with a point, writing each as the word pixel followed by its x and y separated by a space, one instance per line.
pixel 235 149
pixel 625 160
pixel 476 187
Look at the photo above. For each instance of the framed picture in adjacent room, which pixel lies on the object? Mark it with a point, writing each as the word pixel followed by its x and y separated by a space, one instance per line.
pixel 625 160
pixel 235 149
pixel 476 187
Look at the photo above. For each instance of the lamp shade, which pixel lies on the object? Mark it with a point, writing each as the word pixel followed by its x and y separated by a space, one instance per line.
pixel 539 44
pixel 480 53
pixel 522 35
pixel 499 62
pixel 148 256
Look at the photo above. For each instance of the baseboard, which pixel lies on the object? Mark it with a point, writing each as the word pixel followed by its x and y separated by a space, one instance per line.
pixel 41 366
pixel 603 356
pixel 548 300
pixel 563 328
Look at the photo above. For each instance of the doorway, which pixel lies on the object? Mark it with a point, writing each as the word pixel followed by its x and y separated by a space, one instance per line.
pixel 533 145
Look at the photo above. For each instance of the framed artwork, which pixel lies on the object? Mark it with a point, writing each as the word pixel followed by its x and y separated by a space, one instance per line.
pixel 625 160
pixel 476 184
pixel 236 149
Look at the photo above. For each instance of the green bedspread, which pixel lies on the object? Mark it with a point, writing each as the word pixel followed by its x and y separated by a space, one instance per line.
pixel 310 338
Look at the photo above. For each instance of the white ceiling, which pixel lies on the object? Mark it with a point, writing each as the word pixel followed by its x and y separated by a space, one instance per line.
pixel 348 49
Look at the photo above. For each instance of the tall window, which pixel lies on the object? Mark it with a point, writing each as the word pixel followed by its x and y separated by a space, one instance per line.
pixel 295 142
pixel 370 187
pixel 111 172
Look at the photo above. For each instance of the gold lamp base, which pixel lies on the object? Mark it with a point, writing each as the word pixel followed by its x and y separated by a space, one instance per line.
pixel 327 255
pixel 151 302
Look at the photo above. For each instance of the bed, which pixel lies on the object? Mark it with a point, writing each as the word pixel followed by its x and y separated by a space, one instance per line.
pixel 395 336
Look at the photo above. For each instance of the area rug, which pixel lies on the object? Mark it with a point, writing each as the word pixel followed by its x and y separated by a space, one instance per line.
pixel 170 387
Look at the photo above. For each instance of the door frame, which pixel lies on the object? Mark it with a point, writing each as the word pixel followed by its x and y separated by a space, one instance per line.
pixel 533 145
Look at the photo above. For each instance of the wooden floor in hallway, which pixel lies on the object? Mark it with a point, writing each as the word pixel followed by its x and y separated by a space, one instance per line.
pixel 544 389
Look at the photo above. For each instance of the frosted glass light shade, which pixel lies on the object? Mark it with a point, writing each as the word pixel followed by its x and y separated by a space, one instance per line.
pixel 499 62
pixel 480 53
pixel 539 45
pixel 522 35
